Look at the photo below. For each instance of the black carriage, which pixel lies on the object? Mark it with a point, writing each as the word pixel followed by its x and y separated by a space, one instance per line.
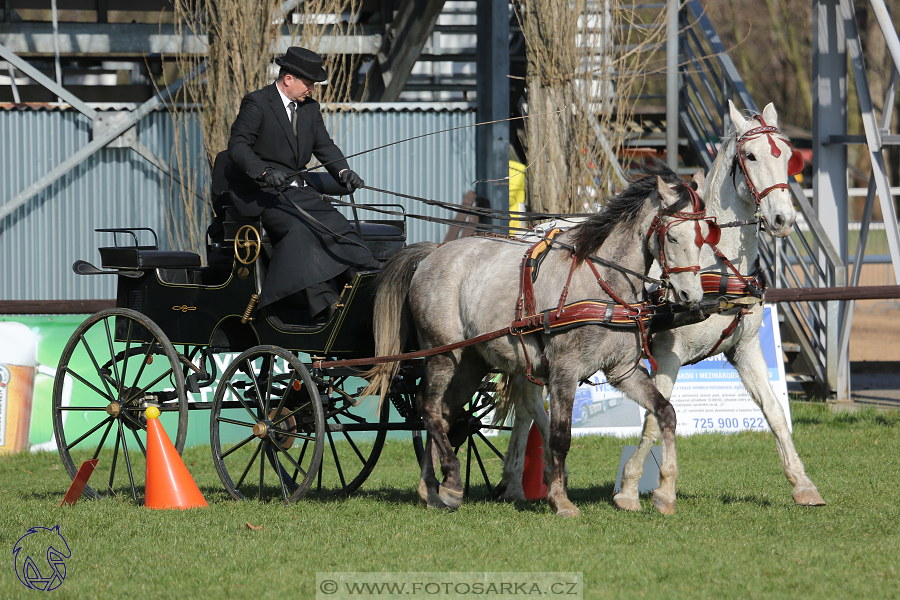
pixel 279 428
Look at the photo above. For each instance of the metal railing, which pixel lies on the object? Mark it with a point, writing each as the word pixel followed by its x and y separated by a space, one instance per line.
pixel 810 330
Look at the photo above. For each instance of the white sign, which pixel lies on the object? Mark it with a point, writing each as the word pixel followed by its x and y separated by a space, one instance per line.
pixel 708 396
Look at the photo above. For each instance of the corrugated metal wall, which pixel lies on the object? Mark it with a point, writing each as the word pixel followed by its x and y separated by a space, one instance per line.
pixel 118 188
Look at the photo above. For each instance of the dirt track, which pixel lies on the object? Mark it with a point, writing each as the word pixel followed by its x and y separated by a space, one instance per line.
pixel 875 333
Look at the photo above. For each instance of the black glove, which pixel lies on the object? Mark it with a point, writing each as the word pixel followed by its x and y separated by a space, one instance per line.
pixel 273 177
pixel 352 181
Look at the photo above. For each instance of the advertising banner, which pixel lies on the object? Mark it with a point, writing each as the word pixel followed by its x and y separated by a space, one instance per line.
pixel 708 396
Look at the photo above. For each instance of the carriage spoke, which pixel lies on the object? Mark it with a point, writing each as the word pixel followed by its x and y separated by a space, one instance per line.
pixel 90 431
pixel 240 399
pixel 144 363
pixel 128 462
pixel 297 467
pixel 249 464
pixel 350 441
pixel 87 347
pixel 233 422
pixel 112 470
pixel 127 350
pixel 293 434
pixel 102 440
pixel 112 354
pixel 240 445
pixel 278 469
pixel 337 461
pixel 262 473
pixel 139 442
pixel 141 392
pixel 108 398
pixel 271 362
pixel 287 390
pixel 259 396
pixel 290 414
pixel 490 445
pixel 484 474
pixel 468 463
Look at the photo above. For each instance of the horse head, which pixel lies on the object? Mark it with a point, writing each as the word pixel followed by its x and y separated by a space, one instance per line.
pixel 681 228
pixel 766 160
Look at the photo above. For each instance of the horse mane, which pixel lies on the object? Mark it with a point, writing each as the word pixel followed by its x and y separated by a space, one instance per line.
pixel 624 209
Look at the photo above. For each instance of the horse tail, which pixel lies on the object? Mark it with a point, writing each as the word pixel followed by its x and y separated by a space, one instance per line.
pixel 506 398
pixel 391 314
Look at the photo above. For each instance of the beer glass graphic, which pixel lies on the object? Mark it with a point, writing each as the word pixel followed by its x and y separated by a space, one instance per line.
pixel 18 360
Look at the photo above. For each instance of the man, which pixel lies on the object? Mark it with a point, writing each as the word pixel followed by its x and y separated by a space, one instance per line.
pixel 275 134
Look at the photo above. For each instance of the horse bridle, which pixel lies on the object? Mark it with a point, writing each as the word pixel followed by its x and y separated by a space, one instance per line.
pixel 696 215
pixel 795 163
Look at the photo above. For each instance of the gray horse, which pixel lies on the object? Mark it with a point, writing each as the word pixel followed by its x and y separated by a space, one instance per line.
pixel 470 287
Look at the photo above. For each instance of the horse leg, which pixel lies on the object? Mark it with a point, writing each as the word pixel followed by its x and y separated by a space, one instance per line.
pixel 428 483
pixel 451 381
pixel 529 408
pixel 640 387
pixel 629 498
pixel 562 398
pixel 439 371
pixel 748 359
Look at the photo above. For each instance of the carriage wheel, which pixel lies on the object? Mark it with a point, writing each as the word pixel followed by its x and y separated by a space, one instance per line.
pixel 354 436
pixel 116 364
pixel 267 426
pixel 476 443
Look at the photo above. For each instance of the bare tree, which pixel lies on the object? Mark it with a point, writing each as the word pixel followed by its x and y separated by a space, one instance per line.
pixel 583 67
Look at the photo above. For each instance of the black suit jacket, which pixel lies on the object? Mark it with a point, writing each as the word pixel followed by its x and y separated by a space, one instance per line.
pixel 261 138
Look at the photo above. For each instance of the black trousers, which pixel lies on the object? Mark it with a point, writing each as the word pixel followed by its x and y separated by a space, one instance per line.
pixel 307 256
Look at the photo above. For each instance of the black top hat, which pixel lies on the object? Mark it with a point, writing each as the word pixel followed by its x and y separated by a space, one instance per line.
pixel 303 62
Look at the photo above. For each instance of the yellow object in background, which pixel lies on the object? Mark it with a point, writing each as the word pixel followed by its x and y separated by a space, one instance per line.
pixel 516 191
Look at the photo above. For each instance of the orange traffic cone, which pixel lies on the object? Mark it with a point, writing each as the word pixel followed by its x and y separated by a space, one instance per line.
pixel 168 484
pixel 533 473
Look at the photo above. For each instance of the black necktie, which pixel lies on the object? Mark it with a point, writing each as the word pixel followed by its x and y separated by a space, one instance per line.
pixel 293 106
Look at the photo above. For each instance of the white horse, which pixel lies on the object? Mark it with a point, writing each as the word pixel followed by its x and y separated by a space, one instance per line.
pixel 765 160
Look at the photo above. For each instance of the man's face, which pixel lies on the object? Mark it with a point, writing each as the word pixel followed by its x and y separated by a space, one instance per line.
pixel 297 88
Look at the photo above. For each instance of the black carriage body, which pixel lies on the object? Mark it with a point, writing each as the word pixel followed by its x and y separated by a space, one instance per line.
pixel 195 308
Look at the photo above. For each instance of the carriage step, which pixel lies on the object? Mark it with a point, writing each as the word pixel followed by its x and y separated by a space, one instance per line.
pixel 790 347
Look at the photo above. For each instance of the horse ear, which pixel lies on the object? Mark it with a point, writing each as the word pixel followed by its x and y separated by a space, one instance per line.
pixel 700 180
pixel 740 123
pixel 770 115
pixel 665 193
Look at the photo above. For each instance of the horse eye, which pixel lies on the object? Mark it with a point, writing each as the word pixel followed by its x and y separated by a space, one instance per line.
pixel 671 238
pixel 751 156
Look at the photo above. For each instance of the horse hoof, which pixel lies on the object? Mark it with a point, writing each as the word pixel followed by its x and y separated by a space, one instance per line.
pixel 452 498
pixel 627 503
pixel 514 495
pixel 423 491
pixel 565 509
pixel 666 508
pixel 808 497
pixel 568 512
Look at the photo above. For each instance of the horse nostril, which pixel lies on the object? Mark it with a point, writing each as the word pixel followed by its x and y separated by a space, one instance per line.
pixel 779 221
pixel 683 296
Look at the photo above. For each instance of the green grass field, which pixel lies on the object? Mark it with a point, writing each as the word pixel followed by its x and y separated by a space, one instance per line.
pixel 736 534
